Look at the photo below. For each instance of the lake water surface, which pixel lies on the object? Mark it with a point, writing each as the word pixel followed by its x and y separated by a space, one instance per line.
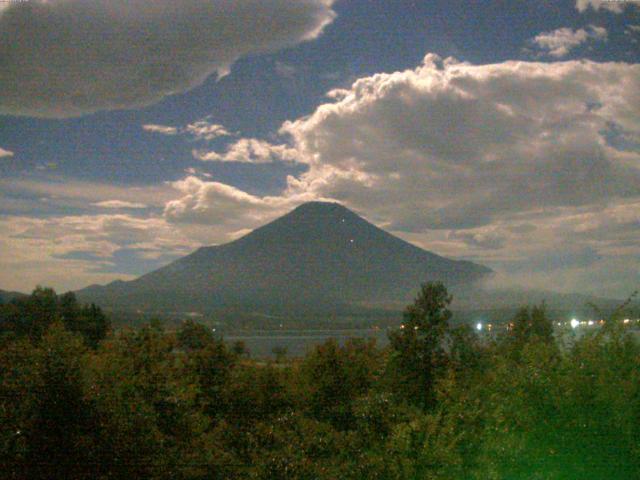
pixel 298 343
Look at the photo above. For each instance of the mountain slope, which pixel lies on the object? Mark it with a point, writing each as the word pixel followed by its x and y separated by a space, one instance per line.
pixel 6 297
pixel 319 256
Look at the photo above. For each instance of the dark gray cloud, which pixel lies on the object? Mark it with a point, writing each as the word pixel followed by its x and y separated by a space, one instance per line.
pixel 64 58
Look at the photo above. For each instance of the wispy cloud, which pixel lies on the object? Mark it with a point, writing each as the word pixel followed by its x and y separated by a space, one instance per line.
pixel 250 150
pixel 5 153
pixel 117 204
pixel 558 43
pixel 202 130
pixel 614 6
pixel 162 129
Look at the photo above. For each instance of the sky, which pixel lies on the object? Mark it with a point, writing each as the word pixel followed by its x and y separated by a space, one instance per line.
pixel 506 133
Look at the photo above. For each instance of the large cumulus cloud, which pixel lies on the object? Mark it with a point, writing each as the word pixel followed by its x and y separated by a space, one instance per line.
pixel 63 58
pixel 452 145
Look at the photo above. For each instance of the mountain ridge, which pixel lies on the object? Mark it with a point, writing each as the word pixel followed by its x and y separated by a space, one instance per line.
pixel 320 255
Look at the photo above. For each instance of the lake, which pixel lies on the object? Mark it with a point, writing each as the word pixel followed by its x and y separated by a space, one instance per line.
pixel 298 343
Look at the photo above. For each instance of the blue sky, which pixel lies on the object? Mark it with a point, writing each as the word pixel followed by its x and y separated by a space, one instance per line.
pixel 133 132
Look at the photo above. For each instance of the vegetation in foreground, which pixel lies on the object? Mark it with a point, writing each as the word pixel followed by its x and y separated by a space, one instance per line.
pixel 78 401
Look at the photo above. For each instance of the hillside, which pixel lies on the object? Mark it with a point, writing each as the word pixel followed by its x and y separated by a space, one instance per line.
pixel 6 297
pixel 319 257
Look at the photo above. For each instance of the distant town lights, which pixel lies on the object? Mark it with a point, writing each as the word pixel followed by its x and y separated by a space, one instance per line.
pixel 574 323
pixel 479 326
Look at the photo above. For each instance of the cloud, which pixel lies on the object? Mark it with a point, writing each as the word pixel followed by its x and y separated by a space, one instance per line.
pixel 5 153
pixel 250 150
pixel 161 129
pixel 498 163
pixel 558 43
pixel 65 58
pixel 215 203
pixel 482 240
pixel 452 145
pixel 119 204
pixel 74 193
pixel 204 130
pixel 195 172
pixel 201 130
pixel 615 6
pixel 285 70
pixel 71 252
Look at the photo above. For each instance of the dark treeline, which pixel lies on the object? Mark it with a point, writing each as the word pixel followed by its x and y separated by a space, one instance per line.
pixel 78 401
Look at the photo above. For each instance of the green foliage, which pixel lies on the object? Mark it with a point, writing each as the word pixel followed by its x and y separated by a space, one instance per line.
pixel 334 376
pixel 419 346
pixel 531 325
pixel 31 316
pixel 154 404
pixel 193 336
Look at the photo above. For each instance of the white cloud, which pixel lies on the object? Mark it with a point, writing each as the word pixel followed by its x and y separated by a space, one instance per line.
pixel 161 129
pixel 615 6
pixel 490 162
pixel 222 205
pixel 558 43
pixel 192 171
pixel 103 61
pixel 199 130
pixel 250 150
pixel 116 204
pixel 5 153
pixel 204 130
pixel 41 251
pixel 451 145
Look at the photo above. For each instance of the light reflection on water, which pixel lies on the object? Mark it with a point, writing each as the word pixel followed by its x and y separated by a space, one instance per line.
pixel 298 343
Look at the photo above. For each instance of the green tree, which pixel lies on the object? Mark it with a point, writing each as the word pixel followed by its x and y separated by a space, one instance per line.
pixel 58 440
pixel 419 345
pixel 39 310
pixel 531 325
pixel 194 336
pixel 32 315
pixel 333 377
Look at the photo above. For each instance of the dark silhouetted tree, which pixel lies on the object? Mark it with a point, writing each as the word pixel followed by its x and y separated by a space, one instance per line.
pixel 532 324
pixel 194 336
pixel 419 346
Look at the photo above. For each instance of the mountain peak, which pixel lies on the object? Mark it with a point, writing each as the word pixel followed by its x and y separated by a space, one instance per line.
pixel 318 207
pixel 317 212
pixel 319 256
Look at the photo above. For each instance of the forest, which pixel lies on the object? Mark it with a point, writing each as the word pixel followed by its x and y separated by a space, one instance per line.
pixel 80 399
